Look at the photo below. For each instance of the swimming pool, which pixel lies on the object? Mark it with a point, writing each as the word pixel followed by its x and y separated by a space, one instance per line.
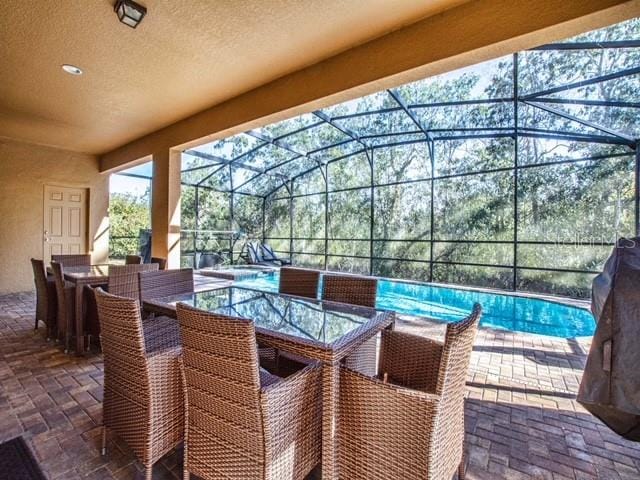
pixel 503 311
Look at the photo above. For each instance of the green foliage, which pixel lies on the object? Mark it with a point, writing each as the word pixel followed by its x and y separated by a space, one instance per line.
pixel 128 214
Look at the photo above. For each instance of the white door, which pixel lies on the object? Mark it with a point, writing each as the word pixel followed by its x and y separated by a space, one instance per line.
pixel 65 221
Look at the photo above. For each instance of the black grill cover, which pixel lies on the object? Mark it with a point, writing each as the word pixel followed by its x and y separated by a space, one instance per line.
pixel 610 387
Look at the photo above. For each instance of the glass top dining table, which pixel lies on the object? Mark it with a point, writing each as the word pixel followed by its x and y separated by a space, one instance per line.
pixel 84 272
pixel 307 320
pixel 327 332
pixel 98 271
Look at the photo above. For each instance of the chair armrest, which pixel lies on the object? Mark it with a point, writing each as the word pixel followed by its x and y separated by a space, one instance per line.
pixel 292 412
pixel 280 391
pixel 410 360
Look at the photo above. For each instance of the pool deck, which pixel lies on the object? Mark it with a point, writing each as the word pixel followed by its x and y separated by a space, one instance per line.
pixel 523 421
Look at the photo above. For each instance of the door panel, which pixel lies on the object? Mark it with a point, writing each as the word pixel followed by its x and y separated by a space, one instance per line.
pixel 74 222
pixel 65 221
pixel 55 227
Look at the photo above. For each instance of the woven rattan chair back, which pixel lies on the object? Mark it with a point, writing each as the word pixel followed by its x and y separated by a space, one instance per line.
pixel 46 303
pixel 40 281
pixel 302 282
pixel 125 370
pixel 456 353
pixel 224 423
pixel 420 360
pixel 58 275
pixel 454 364
pixel 133 260
pixel 123 279
pixel 72 260
pixel 162 262
pixel 165 283
pixel 352 289
pixel 121 332
pixel 126 375
pixel 143 400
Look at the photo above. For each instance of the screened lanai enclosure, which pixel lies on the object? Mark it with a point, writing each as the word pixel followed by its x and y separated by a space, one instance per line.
pixel 518 173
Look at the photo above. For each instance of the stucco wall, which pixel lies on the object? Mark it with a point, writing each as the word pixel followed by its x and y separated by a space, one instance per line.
pixel 24 170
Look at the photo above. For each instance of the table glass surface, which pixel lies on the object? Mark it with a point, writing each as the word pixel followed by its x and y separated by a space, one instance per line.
pixel 324 322
pixel 89 271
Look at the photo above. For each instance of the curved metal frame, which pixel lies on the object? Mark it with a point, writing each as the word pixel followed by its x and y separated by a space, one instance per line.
pixel 320 157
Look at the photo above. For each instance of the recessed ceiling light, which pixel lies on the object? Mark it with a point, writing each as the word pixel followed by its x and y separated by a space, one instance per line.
pixel 72 69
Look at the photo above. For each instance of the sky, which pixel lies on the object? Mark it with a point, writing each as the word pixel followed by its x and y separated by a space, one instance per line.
pixel 124 184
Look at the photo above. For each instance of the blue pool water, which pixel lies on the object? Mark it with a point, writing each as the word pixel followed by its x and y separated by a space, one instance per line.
pixel 501 311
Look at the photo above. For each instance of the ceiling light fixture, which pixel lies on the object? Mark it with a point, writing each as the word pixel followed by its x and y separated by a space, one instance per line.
pixel 129 12
pixel 72 69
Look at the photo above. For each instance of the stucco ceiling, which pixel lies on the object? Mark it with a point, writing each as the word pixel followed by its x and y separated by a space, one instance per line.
pixel 185 56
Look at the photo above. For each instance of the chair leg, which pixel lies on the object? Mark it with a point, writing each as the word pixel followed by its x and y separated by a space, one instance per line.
pixel 103 450
pixel 148 472
pixel 36 327
pixel 185 466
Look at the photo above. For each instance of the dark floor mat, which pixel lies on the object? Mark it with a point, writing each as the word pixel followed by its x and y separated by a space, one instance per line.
pixel 17 462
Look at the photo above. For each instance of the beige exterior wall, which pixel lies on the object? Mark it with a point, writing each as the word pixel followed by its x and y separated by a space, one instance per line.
pixel 24 170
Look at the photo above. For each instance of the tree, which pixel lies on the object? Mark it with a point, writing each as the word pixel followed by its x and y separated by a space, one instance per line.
pixel 128 214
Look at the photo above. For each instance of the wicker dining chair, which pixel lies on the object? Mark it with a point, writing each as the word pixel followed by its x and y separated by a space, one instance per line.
pixel 133 260
pixel 46 298
pixel 124 281
pixel 410 426
pixel 73 260
pixel 355 290
pixel 162 262
pixel 143 395
pixel 302 282
pixel 66 301
pixel 352 289
pixel 165 283
pixel 241 421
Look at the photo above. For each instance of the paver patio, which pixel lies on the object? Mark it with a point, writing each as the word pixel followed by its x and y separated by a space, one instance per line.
pixel 522 418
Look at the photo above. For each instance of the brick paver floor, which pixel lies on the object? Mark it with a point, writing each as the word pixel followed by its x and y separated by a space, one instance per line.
pixel 522 418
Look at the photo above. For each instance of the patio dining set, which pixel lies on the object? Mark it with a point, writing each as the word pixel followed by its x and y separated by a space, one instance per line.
pixel 263 385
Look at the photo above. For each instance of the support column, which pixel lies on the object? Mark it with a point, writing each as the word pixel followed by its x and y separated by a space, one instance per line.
pixel 165 207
